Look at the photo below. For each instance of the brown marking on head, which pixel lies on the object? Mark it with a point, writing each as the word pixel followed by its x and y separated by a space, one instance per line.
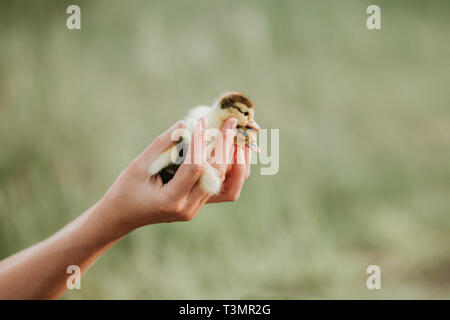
pixel 230 100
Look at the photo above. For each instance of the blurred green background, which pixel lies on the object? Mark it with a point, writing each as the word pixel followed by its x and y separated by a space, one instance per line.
pixel 364 153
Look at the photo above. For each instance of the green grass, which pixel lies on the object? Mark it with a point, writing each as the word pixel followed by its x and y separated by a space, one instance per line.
pixel 364 141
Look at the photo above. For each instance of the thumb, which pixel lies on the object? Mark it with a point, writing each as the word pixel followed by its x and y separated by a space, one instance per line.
pixel 161 143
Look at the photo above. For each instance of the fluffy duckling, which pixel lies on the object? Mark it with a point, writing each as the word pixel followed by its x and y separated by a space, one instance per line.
pixel 233 104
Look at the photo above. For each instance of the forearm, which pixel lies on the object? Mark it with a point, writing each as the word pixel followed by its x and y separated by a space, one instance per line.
pixel 39 272
pixel 135 199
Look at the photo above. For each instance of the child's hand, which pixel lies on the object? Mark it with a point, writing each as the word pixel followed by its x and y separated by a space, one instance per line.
pixel 136 198
pixel 235 176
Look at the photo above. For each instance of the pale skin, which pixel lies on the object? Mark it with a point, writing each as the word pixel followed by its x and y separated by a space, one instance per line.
pixel 134 200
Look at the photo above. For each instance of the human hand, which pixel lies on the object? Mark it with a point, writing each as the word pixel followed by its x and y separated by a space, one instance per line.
pixel 235 176
pixel 136 198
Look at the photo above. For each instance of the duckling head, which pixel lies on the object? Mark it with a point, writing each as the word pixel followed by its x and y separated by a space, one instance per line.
pixel 237 105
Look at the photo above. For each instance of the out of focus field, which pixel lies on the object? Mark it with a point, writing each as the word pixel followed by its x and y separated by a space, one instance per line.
pixel 364 119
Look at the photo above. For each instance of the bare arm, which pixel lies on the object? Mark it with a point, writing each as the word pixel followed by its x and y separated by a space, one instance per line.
pixel 134 200
pixel 39 272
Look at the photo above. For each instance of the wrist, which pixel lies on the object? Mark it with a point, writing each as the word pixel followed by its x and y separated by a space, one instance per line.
pixel 106 219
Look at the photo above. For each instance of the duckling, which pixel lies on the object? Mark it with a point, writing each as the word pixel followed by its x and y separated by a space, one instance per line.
pixel 232 104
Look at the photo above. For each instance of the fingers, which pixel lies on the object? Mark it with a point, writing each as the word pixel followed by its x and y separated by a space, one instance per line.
pixel 248 159
pixel 236 176
pixel 223 153
pixel 160 144
pixel 192 207
pixel 192 167
pixel 235 179
pixel 198 195
pixel 224 146
pixel 240 166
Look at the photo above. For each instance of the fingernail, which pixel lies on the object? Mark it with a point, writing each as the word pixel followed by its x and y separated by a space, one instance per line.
pixel 177 125
pixel 232 123
pixel 204 125
pixel 205 122
pixel 199 124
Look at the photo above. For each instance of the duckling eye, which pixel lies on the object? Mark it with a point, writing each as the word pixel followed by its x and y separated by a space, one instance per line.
pixel 246 113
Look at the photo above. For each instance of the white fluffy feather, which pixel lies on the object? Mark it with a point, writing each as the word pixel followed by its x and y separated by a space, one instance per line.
pixel 209 181
pixel 215 116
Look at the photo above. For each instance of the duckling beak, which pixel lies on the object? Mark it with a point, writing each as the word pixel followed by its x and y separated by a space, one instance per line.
pixel 252 124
